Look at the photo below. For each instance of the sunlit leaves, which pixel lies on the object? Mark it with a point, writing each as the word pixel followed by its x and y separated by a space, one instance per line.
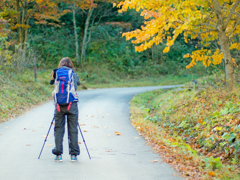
pixel 196 18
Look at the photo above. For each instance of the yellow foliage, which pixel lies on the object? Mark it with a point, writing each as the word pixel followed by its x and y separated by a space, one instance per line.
pixel 194 18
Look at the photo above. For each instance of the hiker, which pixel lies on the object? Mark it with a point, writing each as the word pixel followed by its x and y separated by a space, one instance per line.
pixel 65 99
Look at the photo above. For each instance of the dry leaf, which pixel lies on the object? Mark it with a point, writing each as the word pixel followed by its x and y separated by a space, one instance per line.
pixel 93 116
pixel 117 133
pixel 106 127
pixel 154 161
pixel 33 130
pixel 49 145
pixel 82 124
pixel 85 131
pixel 212 173
pixel 79 143
pixel 24 128
pixel 96 126
pixel 28 145
pixel 102 116
pixel 107 151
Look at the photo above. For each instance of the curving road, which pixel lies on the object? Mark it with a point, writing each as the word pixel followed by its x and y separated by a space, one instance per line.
pixel 101 113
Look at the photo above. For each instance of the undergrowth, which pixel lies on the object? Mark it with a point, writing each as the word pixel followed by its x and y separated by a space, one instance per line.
pixel 199 127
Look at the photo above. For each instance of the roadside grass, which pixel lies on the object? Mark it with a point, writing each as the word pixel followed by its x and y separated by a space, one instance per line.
pixel 142 81
pixel 195 130
pixel 19 92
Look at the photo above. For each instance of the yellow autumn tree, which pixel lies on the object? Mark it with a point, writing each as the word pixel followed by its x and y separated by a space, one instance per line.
pixel 18 13
pixel 209 20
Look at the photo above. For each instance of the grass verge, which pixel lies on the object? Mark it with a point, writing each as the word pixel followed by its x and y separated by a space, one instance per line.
pixel 19 92
pixel 196 131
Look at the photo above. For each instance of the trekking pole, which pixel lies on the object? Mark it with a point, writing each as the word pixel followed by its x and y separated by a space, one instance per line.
pixel 46 138
pixel 84 141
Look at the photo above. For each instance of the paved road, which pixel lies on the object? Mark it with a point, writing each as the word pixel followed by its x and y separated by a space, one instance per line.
pixel 103 111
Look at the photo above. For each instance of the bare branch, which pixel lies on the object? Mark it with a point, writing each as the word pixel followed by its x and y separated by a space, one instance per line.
pixel 202 32
pixel 232 11
pixel 233 37
pixel 206 24
pixel 234 28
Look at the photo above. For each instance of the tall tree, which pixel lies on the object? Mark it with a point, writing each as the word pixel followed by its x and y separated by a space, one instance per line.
pixel 19 12
pixel 208 19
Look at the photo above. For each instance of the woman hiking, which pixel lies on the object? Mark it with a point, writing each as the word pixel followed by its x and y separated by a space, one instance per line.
pixel 65 99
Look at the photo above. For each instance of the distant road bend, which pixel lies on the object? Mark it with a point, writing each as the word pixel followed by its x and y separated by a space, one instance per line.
pixel 101 113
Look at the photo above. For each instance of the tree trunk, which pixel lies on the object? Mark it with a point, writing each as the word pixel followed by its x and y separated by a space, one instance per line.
pixel 229 66
pixel 84 42
pixel 75 31
pixel 18 21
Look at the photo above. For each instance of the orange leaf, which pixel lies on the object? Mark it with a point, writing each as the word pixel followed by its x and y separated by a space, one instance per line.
pixel 154 161
pixel 117 133
pixel 212 173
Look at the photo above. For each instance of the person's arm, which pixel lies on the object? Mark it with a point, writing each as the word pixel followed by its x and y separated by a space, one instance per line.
pixel 76 80
pixel 53 76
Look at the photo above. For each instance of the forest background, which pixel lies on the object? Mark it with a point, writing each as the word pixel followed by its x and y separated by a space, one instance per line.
pixel 36 34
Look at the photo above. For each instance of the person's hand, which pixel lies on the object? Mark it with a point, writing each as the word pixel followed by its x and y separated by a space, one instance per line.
pixel 52 78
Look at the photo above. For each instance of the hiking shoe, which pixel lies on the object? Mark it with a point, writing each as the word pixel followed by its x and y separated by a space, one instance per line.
pixel 58 158
pixel 73 158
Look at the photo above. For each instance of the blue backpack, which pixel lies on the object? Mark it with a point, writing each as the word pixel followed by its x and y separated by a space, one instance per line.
pixel 64 92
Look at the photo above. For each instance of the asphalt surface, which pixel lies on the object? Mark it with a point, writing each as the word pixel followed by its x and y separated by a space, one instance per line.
pixel 102 112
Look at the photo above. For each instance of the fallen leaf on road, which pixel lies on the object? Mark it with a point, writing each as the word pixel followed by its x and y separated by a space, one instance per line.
pixel 117 133
pixel 102 116
pixel 82 124
pixel 33 130
pixel 154 161
pixel 24 128
pixel 50 145
pixel 85 131
pixel 79 143
pixel 96 126
pixel 107 151
pixel 106 127
pixel 28 144
pixel 93 116
pixel 212 173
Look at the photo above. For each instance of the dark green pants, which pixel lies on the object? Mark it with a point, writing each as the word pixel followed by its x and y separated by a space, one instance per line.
pixel 59 129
